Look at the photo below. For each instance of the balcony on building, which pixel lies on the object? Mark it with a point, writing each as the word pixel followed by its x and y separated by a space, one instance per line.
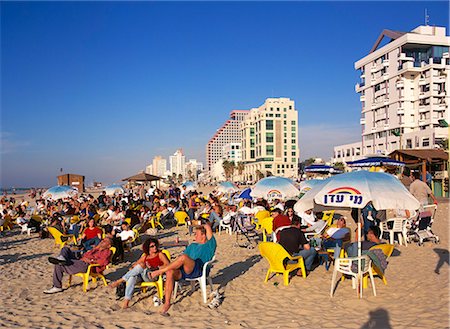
pixel 362 98
pixel 438 93
pixel 423 81
pixel 423 108
pixel 403 57
pixel 439 78
pixel 385 76
pixel 400 83
pixel 400 111
pixel 362 121
pixel 385 62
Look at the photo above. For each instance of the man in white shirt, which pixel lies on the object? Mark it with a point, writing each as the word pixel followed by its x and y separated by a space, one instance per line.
pixel 127 234
pixel 307 217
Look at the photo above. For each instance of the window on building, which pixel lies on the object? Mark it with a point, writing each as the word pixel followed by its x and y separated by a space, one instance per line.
pixel 293 128
pixel 293 160
pixel 293 147
pixel 268 166
pixel 293 154
pixel 284 116
pixel 425 142
pixel 269 149
pixel 252 131
pixel 293 123
pixel 269 124
pixel 252 142
pixel 278 115
pixel 293 135
pixel 252 154
pixel 269 137
pixel 293 141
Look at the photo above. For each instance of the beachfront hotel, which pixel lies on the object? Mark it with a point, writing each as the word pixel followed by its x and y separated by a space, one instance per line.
pixel 270 140
pixel 404 93
pixel 229 133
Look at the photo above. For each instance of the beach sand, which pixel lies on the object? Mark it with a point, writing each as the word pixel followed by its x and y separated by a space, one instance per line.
pixel 415 297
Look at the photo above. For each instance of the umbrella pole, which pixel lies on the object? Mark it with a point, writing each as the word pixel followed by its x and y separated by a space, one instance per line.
pixel 360 286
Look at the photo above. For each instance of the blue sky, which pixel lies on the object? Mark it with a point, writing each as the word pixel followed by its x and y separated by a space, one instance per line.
pixel 100 88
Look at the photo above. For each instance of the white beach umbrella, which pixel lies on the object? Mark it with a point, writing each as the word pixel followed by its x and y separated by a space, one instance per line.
pixel 226 188
pixel 274 187
pixel 114 189
pixel 60 192
pixel 190 186
pixel 355 190
pixel 306 185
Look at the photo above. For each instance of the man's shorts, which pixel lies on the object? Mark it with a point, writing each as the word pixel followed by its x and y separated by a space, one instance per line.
pixel 196 272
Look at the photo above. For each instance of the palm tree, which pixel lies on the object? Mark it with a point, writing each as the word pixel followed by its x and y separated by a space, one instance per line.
pixel 259 174
pixel 228 168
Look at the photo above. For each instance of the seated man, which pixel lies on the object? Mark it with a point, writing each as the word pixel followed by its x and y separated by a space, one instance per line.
pixel 373 238
pixel 67 262
pixel 190 263
pixel 127 234
pixel 279 221
pixel 295 243
pixel 334 237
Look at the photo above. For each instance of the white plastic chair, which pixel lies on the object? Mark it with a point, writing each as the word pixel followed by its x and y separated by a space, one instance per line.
pixel 344 266
pixel 398 226
pixel 226 227
pixel 316 229
pixel 201 280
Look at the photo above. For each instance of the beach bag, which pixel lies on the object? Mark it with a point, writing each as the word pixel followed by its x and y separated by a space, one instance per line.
pixel 120 290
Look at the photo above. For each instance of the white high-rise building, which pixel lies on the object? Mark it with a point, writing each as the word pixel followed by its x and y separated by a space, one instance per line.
pixel 177 163
pixel 270 140
pixel 232 152
pixel 191 168
pixel 404 90
pixel 229 133
pixel 159 166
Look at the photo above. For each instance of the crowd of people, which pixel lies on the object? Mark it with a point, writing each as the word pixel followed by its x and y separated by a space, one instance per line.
pixel 99 223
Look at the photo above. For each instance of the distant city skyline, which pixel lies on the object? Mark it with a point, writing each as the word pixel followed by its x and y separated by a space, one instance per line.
pixel 100 88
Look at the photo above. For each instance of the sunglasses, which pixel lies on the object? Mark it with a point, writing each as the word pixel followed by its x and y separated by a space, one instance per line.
pixel 152 246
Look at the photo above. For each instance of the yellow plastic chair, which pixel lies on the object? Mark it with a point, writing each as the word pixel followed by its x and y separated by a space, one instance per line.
pixel 259 216
pixel 7 224
pixel 58 236
pixel 387 249
pixel 181 217
pixel 159 284
pixel 275 255
pixel 328 217
pixel 89 273
pixel 267 227
pixel 154 221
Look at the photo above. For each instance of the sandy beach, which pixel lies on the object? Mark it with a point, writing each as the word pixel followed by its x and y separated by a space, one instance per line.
pixel 415 297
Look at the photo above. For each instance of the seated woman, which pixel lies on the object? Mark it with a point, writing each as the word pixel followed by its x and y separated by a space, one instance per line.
pixel 91 236
pixel 215 216
pixel 151 260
